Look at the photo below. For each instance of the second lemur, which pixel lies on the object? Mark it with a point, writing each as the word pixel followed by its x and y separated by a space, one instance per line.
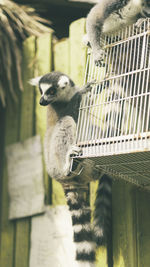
pixel 62 98
pixel 109 16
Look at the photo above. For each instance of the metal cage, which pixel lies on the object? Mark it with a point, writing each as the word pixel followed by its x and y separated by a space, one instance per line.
pixel 113 127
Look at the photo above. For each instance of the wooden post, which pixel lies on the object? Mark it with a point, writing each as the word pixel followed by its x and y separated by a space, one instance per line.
pixel 26 130
pixel 11 119
pixel 61 63
pixel 77 51
pixel 61 56
pixel 142 226
pixel 124 225
pixel 43 66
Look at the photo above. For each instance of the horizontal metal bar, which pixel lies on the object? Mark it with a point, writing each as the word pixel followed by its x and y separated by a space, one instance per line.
pixel 115 100
pixel 115 139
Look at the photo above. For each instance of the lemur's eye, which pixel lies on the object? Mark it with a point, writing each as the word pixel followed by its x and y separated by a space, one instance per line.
pixel 50 91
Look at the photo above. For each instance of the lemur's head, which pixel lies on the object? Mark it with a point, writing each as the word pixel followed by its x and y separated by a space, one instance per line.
pixel 54 87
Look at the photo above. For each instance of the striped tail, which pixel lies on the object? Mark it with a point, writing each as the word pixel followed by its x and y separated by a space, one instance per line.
pixel 83 234
pixel 103 211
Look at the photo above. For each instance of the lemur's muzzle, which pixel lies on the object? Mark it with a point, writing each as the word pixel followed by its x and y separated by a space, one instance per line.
pixel 43 102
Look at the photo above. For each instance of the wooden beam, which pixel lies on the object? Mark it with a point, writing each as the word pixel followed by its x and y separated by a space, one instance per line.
pixel 26 130
pixel 77 51
pixel 61 63
pixel 11 134
pixel 124 225
pixel 43 66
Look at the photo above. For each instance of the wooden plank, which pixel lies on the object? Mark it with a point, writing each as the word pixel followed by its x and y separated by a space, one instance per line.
pixel 43 66
pixel 61 63
pixel 26 130
pixel 61 56
pixel 124 225
pixel 7 230
pixel 143 226
pixel 77 51
pixel 101 254
pixel 27 120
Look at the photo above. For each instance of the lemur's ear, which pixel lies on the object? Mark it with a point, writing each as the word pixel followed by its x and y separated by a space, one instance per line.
pixel 35 81
pixel 63 81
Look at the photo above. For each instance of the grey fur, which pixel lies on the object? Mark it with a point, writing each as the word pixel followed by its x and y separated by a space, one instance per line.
pixel 62 98
pixel 111 15
pixel 60 135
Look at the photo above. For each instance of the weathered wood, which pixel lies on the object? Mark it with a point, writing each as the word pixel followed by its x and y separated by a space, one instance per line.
pixel 11 133
pixel 26 129
pixel 101 255
pixel 77 51
pixel 142 225
pixel 43 66
pixel 124 225
pixel 61 63
pixel 61 56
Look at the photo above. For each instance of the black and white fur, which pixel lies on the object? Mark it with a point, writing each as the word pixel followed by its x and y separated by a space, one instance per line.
pixel 109 16
pixel 62 98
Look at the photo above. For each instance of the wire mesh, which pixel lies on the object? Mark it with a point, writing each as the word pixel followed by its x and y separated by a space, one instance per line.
pixel 114 118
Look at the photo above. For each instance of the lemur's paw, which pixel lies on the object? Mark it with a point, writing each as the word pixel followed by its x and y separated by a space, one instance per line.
pixel 75 150
pixel 87 87
pixel 99 58
pixel 85 40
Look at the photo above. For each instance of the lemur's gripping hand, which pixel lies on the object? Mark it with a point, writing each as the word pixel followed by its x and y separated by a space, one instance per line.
pixel 98 55
pixel 99 58
pixel 87 87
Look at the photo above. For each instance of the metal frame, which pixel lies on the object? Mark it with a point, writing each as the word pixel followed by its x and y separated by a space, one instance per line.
pixel 114 119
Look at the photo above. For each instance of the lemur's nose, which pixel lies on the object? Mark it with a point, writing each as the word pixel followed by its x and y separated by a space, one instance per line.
pixel 43 102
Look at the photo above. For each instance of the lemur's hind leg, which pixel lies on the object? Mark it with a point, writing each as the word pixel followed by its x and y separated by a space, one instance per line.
pixel 94 25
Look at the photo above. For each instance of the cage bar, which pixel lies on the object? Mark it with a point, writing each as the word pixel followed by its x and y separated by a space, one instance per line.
pixel 113 128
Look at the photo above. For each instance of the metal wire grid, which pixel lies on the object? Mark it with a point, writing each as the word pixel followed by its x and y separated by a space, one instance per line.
pixel 114 117
pixel 118 108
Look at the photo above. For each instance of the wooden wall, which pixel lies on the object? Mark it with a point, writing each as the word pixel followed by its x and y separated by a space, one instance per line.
pixel 131 208
pixel 19 122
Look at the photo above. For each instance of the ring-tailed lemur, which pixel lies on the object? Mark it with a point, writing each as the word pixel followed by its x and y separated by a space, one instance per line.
pixel 110 16
pixel 62 98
